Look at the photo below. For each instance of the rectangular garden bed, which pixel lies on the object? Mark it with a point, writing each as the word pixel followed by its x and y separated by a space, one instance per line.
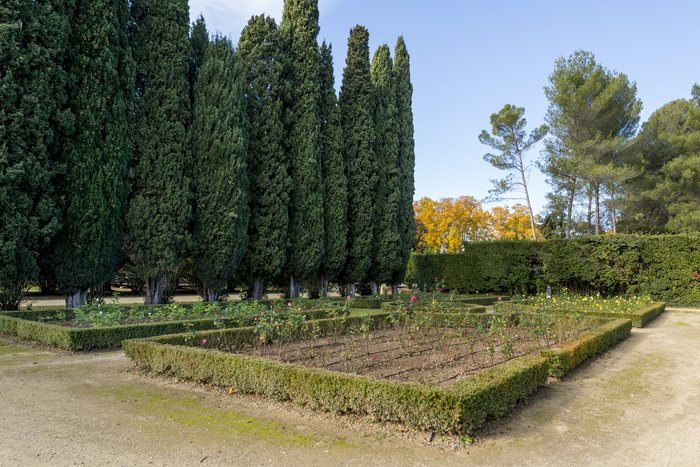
pixel 454 398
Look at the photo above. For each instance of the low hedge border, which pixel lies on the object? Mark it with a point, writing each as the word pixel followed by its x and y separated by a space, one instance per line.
pixel 639 318
pixel 68 338
pixel 458 409
pixel 572 353
pixel 459 306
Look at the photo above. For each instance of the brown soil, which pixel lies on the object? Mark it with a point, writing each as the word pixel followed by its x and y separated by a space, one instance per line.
pixel 430 354
pixel 637 404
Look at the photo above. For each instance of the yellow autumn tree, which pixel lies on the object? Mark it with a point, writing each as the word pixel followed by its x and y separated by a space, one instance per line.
pixel 511 223
pixel 447 223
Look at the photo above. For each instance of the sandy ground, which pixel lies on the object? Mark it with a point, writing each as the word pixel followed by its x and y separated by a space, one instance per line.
pixel 638 404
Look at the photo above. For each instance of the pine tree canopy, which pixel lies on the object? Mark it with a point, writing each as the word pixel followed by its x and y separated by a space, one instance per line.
pixel 221 184
pixel 261 54
pixel 356 118
pixel 159 212
pixel 98 153
pixel 299 28
pixel 387 241
pixel 406 156
pixel 33 44
pixel 335 199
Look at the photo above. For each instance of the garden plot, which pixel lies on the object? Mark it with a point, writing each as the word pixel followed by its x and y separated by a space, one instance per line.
pixel 422 347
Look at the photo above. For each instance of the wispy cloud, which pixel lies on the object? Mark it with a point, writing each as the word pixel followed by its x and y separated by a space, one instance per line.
pixel 243 9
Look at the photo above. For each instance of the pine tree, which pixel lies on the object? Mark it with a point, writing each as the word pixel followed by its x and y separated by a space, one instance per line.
pixel 387 241
pixel 356 119
pixel 97 155
pixel 159 212
pixel 261 53
pixel 406 157
pixel 335 196
pixel 299 28
pixel 33 43
pixel 221 185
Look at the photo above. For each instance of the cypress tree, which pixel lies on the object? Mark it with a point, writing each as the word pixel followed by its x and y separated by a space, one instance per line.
pixel 299 29
pixel 335 186
pixel 406 157
pixel 261 53
pixel 221 185
pixel 159 211
pixel 356 119
pixel 33 43
pixel 98 153
pixel 199 38
pixel 387 241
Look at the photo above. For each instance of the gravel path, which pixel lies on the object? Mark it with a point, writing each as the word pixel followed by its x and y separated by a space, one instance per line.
pixel 638 404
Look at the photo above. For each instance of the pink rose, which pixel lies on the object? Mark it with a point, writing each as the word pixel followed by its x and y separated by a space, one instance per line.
pixel 413 299
pixel 204 342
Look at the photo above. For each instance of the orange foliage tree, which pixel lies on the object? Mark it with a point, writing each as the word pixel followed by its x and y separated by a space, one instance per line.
pixel 447 223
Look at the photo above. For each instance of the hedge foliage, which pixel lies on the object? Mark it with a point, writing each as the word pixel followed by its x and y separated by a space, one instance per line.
pixel 24 325
pixel 638 318
pixel 459 408
pixel 667 267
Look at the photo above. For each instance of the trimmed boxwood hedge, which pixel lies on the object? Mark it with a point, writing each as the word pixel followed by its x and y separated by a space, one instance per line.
pixel 459 408
pixel 639 318
pixel 21 324
pixel 667 267
pixel 458 306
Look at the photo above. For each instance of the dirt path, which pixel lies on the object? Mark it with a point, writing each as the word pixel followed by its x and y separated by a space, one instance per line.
pixel 638 404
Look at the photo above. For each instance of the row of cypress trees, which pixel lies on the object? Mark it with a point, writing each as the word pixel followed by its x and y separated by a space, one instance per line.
pixel 239 158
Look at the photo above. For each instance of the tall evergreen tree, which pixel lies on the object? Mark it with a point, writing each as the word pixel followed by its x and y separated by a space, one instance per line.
pixel 299 29
pixel 356 119
pixel 221 184
pixel 97 155
pixel 335 185
pixel 387 241
pixel 33 43
pixel 406 157
pixel 261 51
pixel 159 212
pixel 199 38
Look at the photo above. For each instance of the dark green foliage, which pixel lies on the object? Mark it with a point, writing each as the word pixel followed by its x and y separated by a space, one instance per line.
pixel 357 122
pixel 406 158
pixel 199 39
pixel 260 50
pixel 335 196
pixel 665 267
pixel 221 214
pixel 98 153
pixel 498 266
pixel 33 43
pixel 387 256
pixel 298 29
pixel 159 213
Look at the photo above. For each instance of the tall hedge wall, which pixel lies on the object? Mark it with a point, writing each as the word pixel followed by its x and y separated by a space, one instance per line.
pixel 667 267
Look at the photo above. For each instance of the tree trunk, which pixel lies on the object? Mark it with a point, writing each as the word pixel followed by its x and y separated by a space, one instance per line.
pixel 77 299
pixel 527 198
pixel 351 290
pixel 570 208
pixel 612 209
pixel 374 287
pixel 590 213
pixel 597 208
pixel 322 284
pixel 153 290
pixel 258 288
pixel 210 294
pixel 293 287
pixel 394 289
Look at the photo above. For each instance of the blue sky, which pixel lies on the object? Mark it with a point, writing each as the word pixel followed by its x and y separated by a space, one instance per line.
pixel 469 59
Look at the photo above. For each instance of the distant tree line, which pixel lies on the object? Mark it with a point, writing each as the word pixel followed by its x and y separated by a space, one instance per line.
pixel 605 175
pixel 128 135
